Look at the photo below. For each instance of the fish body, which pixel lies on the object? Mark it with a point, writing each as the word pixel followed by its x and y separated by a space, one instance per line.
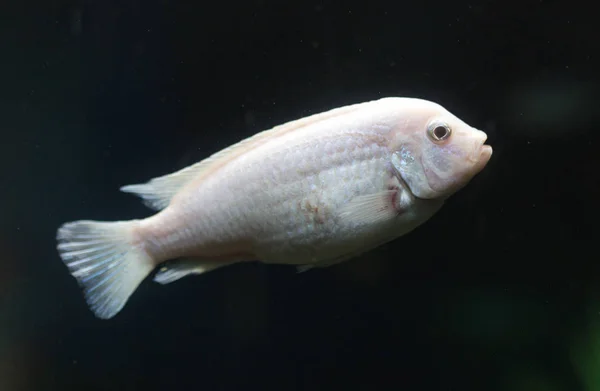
pixel 312 193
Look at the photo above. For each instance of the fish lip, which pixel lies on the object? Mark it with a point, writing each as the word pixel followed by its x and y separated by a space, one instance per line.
pixel 481 151
pixel 484 155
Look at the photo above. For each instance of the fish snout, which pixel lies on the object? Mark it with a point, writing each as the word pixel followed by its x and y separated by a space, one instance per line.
pixel 481 153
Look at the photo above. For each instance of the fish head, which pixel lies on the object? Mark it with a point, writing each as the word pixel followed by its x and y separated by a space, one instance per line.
pixel 436 153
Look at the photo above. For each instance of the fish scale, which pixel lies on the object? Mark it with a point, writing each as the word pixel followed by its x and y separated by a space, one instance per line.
pixel 312 193
pixel 261 225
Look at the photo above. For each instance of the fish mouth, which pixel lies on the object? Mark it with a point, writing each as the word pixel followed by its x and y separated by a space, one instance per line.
pixel 482 154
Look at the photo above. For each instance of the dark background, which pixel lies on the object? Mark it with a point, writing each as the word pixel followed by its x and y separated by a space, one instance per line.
pixel 499 291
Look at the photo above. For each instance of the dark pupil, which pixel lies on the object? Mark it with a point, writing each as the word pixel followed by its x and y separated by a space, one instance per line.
pixel 440 132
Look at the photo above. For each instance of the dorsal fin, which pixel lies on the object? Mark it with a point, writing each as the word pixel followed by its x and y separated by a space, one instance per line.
pixel 158 192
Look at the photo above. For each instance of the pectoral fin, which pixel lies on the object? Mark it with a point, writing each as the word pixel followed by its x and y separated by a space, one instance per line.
pixel 374 208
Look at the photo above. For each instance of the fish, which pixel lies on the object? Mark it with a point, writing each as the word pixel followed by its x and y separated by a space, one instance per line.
pixel 312 193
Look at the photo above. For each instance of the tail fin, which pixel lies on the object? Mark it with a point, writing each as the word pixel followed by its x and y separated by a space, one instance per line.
pixel 106 262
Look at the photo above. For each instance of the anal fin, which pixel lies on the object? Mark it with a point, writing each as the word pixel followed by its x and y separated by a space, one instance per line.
pixel 329 262
pixel 175 270
pixel 304 268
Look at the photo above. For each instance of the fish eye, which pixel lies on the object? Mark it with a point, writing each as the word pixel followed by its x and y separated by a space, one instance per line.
pixel 438 131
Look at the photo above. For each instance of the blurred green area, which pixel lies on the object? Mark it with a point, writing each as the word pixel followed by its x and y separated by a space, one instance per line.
pixel 585 349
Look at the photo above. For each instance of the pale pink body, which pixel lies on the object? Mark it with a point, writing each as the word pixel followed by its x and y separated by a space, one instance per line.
pixel 280 201
pixel 311 192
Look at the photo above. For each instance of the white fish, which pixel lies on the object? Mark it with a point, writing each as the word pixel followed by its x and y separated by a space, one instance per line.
pixel 312 192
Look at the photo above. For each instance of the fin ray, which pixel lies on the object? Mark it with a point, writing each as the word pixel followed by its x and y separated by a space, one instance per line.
pixel 176 270
pixel 107 265
pixel 370 208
